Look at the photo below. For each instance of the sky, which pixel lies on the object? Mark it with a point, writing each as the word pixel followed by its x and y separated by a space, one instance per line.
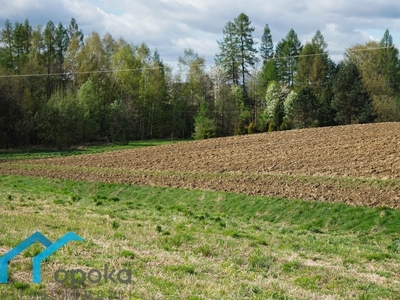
pixel 170 26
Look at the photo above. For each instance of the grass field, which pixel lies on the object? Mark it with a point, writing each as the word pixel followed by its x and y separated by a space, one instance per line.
pixel 243 240
pixel 192 244
pixel 16 154
pixel 354 164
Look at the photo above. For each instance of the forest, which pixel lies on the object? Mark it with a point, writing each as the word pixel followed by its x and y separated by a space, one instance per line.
pixel 60 88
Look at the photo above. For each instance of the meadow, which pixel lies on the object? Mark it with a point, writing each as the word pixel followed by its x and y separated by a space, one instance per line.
pixel 191 243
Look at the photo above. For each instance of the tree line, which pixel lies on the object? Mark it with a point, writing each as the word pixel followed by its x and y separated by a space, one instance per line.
pixel 60 88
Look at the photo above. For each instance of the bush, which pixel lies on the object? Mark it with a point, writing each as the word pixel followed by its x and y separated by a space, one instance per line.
pixel 252 128
pixel 241 129
pixel 271 127
pixel 205 127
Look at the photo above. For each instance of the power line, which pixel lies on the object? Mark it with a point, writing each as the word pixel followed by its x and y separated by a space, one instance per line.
pixel 80 72
pixel 323 53
pixel 165 67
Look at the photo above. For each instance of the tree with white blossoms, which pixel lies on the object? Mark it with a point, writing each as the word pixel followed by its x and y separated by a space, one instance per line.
pixel 288 104
pixel 274 104
pixel 272 98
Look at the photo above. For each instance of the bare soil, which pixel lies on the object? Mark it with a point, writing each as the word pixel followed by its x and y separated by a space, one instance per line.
pixel 356 164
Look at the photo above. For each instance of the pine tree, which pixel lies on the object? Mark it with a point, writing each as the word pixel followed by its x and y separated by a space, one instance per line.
pixel 204 125
pixel 304 108
pixel 286 53
pixel 73 30
pixel 228 57
pixel 238 50
pixel 325 112
pixel 61 44
pixel 247 50
pixel 389 61
pixel 267 47
pixel 269 72
pixel 351 102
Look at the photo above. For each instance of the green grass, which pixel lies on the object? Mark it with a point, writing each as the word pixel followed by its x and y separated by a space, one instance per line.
pixel 336 182
pixel 192 244
pixel 46 153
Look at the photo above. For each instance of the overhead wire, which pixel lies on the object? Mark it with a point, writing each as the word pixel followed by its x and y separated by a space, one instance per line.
pixel 164 67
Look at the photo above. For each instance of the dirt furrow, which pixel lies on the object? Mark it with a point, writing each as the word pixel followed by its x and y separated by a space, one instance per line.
pixel 368 151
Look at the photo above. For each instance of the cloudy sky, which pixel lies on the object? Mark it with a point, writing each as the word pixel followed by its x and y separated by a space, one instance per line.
pixel 172 25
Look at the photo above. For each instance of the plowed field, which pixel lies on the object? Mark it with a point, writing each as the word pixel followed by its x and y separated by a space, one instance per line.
pixel 357 164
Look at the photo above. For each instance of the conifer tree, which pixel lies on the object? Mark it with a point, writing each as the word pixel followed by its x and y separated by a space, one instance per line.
pixel 352 104
pixel 389 61
pixel 269 72
pixel 228 56
pixel 238 50
pixel 247 50
pixel 287 55
pixel 204 125
pixel 267 46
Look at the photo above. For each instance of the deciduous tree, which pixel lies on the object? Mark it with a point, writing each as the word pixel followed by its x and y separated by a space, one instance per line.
pixel 376 71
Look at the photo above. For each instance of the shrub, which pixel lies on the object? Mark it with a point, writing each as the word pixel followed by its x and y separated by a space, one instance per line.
pixel 252 128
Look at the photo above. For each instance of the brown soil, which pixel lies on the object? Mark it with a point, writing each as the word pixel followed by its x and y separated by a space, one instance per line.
pixel 357 164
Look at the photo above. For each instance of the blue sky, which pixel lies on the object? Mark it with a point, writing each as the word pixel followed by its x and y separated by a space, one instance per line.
pixel 172 25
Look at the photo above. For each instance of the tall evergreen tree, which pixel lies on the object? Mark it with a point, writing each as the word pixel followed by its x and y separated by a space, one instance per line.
pixel 269 72
pixel 73 30
pixel 325 112
pixel 61 44
pixel 389 61
pixel 304 108
pixel 246 44
pixel 204 125
pixel 351 102
pixel 238 50
pixel 287 55
pixel 267 46
pixel 228 56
